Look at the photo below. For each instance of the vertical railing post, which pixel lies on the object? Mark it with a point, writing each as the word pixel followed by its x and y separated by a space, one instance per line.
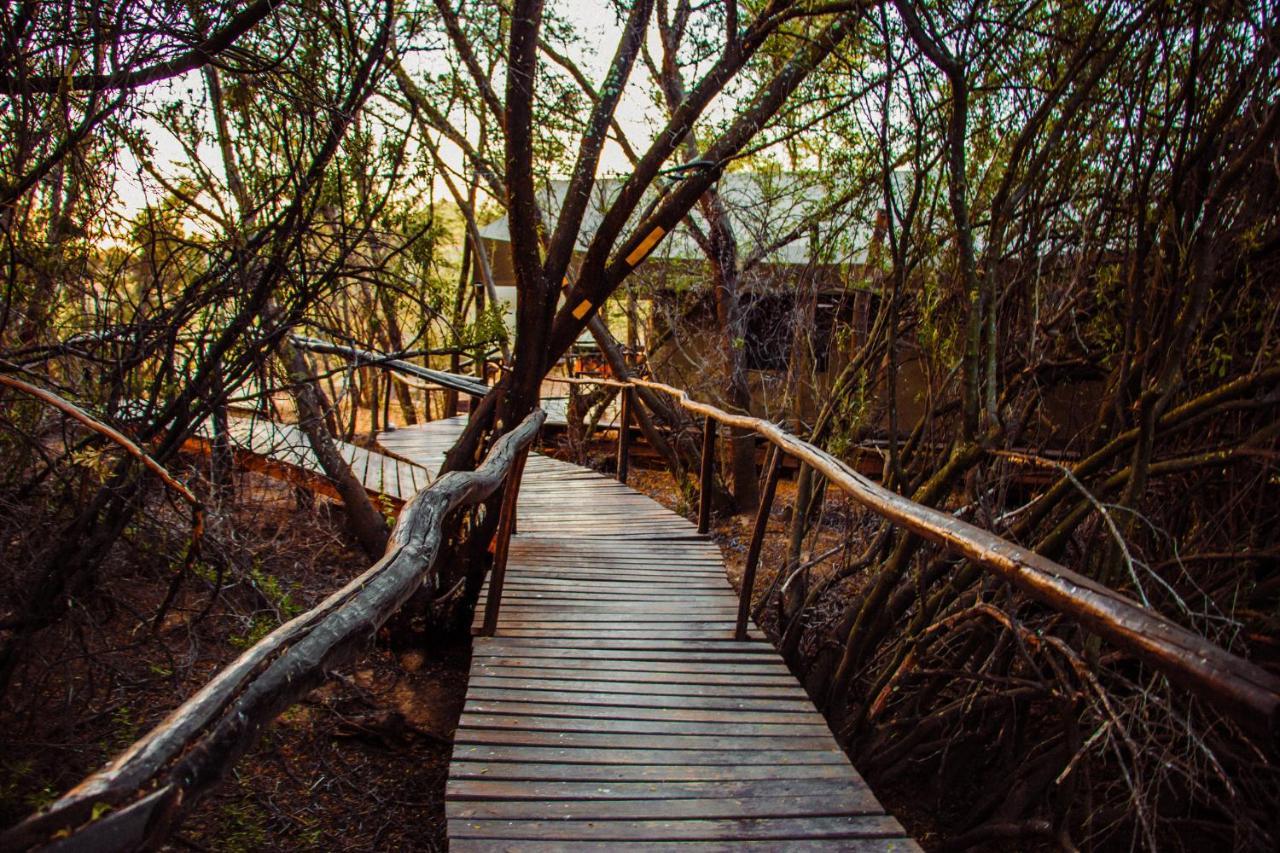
pixel 757 542
pixel 707 474
pixel 624 435
pixel 502 543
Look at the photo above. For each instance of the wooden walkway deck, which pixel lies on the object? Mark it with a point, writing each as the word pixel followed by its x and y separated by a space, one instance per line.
pixel 614 707
pixel 282 450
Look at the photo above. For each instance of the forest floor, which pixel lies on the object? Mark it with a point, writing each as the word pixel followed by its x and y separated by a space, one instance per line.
pixel 359 765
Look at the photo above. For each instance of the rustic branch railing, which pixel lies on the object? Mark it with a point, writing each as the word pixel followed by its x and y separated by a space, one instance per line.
pixel 466 384
pixel 137 799
pixel 1248 693
pixel 1245 691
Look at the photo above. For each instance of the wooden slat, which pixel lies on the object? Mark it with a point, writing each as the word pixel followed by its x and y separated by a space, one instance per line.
pixel 540 771
pixel 544 707
pixel 742 829
pixel 726 742
pixel 283 450
pixel 735 727
pixel 549 792
pixel 824 805
pixel 849 845
pixel 732 679
pixel 734 667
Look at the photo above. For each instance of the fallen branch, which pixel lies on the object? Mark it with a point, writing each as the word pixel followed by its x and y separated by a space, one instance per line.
pixel 73 411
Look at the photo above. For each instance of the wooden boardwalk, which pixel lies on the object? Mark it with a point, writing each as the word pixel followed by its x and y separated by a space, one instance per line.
pixel 614 707
pixel 282 450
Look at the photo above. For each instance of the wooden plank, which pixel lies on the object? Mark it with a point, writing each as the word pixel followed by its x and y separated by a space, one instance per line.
pixel 851 845
pixel 542 706
pixel 540 771
pixel 659 686
pixel 726 645
pixel 576 609
pixel 827 804
pixel 573 580
pixel 779 829
pixel 644 699
pixel 646 657
pixel 592 594
pixel 721 726
pixel 726 742
pixel 730 667
pixel 623 755
pixel 587 633
pixel 731 679
pixel 534 617
pixel 549 791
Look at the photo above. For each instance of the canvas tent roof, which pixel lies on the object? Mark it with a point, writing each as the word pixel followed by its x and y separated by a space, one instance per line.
pixel 764 210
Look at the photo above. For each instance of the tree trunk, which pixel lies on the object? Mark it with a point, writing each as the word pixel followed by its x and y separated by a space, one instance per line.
pixel 366 523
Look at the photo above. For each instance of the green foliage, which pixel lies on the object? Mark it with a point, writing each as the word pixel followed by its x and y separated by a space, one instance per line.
pixel 15 779
pixel 262 623
pixel 243 824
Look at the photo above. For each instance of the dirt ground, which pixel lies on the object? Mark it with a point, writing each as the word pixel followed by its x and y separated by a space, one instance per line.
pixel 359 765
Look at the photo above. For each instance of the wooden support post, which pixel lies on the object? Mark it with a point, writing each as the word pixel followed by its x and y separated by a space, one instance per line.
pixel 707 474
pixel 624 435
pixel 502 544
pixel 774 469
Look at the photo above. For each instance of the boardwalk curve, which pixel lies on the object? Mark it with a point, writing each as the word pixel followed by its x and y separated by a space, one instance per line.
pixel 283 451
pixel 613 705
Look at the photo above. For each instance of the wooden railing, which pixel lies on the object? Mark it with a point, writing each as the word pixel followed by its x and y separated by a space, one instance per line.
pixel 137 799
pixel 1243 690
pixel 465 384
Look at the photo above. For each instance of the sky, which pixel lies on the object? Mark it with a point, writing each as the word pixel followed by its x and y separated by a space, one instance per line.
pixel 597 24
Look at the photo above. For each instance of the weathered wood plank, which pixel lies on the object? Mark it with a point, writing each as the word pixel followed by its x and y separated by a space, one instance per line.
pixel 644 772
pixel 829 804
pixel 780 829
pixel 551 791
pixel 665 726
pixel 726 742
pixel 851 845
pixel 544 675
pixel 580 710
pixel 657 689
pixel 725 645
pixel 642 699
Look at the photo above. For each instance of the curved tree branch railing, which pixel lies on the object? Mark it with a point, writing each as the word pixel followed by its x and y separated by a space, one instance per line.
pixel 139 798
pixel 1246 692
pixel 1243 690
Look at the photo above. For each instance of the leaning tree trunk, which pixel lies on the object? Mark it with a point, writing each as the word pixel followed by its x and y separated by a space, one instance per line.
pixel 366 523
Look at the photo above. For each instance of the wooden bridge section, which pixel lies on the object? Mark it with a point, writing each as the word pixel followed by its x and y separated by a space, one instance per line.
pixel 283 451
pixel 613 705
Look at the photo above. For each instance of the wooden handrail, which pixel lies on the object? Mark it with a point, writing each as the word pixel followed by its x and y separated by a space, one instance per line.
pixel 138 799
pixel 587 380
pixel 1247 692
pixel 466 384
